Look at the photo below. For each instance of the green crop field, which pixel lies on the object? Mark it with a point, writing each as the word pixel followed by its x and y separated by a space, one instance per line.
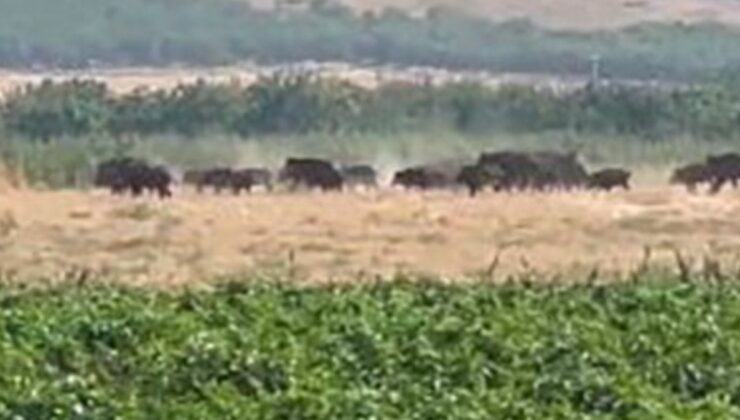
pixel 654 349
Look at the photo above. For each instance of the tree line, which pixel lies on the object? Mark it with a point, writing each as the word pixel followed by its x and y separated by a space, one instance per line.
pixel 303 104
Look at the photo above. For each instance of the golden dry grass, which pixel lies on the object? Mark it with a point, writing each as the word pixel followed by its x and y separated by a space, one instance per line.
pixel 343 236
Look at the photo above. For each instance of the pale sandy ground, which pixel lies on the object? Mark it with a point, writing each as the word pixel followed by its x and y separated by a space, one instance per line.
pixel 345 236
pixel 126 80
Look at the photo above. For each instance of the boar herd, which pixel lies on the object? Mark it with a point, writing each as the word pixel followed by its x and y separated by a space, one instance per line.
pixel 503 171
pixel 714 172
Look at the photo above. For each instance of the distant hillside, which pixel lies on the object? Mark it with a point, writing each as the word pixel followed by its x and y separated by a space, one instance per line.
pixel 44 34
pixel 570 14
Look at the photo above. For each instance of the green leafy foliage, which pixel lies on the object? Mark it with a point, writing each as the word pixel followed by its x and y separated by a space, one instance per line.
pixel 400 349
pixel 55 110
pixel 302 104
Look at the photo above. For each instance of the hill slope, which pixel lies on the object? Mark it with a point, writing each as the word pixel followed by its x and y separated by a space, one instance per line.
pixel 80 34
pixel 574 14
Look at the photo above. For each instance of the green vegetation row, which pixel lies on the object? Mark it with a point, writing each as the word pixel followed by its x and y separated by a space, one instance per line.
pixel 302 104
pixel 657 349
pixel 76 33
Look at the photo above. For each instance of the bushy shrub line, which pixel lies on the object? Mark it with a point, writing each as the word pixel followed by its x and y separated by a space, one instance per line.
pixel 302 104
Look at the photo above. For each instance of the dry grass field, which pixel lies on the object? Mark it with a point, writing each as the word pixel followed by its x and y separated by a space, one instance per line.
pixel 569 14
pixel 343 236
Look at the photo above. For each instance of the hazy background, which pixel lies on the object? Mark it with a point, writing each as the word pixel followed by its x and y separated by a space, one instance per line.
pixel 666 40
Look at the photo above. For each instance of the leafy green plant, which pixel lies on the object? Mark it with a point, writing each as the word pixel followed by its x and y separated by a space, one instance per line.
pixel 399 349
pixel 304 104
